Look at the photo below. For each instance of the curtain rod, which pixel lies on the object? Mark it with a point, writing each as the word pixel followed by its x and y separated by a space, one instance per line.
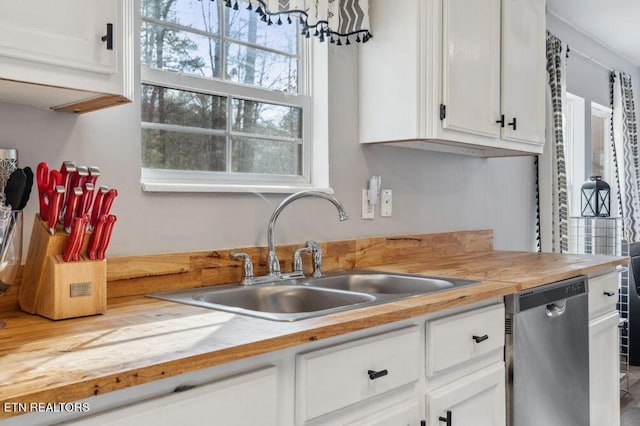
pixel 595 61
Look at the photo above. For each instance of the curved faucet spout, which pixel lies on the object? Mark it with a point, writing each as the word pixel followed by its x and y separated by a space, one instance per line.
pixel 274 263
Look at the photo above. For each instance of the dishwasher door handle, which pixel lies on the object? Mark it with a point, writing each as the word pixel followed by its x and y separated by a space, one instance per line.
pixel 556 309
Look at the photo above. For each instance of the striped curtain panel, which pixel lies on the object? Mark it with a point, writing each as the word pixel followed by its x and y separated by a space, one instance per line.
pixel 625 147
pixel 553 172
pixel 338 21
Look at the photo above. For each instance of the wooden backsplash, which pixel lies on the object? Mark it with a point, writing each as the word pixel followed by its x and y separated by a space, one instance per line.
pixel 137 275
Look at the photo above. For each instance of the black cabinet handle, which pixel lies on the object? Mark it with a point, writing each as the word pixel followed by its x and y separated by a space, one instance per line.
pixel 447 419
pixel 109 37
pixel 513 123
pixel 501 121
pixel 377 374
pixel 479 339
pixel 609 293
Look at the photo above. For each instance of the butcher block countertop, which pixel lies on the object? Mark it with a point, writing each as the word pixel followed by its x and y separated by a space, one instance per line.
pixel 139 340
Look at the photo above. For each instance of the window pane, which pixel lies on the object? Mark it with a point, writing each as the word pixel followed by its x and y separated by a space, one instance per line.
pixel 266 119
pixel 258 67
pixel 245 25
pixel 264 156
pixel 183 151
pixel 172 106
pixel 202 15
pixel 166 48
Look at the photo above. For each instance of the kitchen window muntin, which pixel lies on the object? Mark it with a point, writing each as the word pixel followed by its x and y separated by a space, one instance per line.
pixel 224 97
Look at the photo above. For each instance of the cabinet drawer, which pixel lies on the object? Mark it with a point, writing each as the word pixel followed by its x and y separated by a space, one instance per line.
pixel 338 376
pixel 603 294
pixel 222 402
pixel 459 338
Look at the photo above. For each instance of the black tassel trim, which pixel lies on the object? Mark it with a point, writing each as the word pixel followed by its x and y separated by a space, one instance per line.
pixel 321 28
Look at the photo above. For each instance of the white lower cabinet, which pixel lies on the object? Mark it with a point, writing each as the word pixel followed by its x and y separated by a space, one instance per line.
pixel 406 413
pixel 604 369
pixel 477 399
pixel 247 399
pixel 604 359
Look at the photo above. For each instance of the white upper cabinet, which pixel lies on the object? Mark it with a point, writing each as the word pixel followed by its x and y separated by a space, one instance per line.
pixel 524 76
pixel 442 74
pixel 471 66
pixel 72 55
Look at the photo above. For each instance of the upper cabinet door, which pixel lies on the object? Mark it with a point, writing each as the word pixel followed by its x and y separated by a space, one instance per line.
pixel 523 70
pixel 64 33
pixel 471 66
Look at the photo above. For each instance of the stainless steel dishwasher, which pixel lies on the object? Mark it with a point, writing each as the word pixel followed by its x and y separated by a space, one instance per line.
pixel 547 355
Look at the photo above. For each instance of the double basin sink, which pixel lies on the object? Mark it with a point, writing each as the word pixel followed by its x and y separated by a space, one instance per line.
pixel 296 299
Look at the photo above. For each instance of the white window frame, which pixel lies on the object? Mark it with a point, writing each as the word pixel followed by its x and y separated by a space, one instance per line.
pixel 575 149
pixel 313 85
pixel 605 113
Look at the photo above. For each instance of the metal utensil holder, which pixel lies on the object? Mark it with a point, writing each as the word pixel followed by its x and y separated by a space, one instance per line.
pixel 10 250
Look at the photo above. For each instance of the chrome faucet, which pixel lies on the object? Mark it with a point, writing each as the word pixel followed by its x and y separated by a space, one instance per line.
pixel 272 257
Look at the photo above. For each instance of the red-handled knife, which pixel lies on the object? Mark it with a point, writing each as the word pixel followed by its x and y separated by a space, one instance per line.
pixel 107 201
pixel 66 170
pixel 97 206
pixel 55 204
pixel 70 209
pixel 94 172
pixel 106 236
pixel 74 242
pixel 42 180
pixel 85 200
pixel 96 238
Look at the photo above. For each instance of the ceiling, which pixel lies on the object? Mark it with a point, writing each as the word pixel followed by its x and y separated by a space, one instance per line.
pixel 613 23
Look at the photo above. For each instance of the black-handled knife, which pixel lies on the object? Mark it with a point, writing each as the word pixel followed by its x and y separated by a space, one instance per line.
pixel 27 189
pixel 14 189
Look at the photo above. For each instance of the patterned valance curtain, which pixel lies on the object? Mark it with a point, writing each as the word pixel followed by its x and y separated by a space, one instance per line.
pixel 338 21
pixel 625 149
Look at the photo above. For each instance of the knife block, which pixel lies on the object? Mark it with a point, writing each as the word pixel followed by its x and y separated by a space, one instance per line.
pixel 54 288
pixel 73 289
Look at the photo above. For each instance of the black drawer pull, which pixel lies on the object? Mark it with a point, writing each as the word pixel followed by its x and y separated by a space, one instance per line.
pixel 513 123
pixel 447 419
pixel 609 293
pixel 479 339
pixel 377 374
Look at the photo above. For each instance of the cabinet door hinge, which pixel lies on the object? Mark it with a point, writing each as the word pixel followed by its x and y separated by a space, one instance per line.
pixel 443 111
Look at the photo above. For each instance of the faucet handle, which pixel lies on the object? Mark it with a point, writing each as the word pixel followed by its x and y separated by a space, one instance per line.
pixel 316 252
pixel 247 267
pixel 297 258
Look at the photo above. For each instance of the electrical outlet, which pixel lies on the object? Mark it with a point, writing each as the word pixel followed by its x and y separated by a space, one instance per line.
pixel 368 211
pixel 385 203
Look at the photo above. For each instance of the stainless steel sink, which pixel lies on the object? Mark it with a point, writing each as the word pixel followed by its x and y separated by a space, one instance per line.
pixel 384 283
pixel 278 302
pixel 292 300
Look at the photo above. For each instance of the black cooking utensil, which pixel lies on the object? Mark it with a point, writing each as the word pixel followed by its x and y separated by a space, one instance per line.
pixel 14 189
pixel 27 190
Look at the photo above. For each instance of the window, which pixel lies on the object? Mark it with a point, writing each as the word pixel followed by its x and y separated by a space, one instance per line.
pixel 225 99
pixel 584 159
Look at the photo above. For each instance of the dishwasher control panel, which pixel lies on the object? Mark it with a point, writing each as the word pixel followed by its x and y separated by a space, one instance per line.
pixel 546 294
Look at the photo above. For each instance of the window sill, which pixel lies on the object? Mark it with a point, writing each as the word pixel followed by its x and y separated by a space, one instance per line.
pixel 208 187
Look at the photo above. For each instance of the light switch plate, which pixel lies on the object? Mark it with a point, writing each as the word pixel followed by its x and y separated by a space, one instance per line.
pixel 386 203
pixel 368 211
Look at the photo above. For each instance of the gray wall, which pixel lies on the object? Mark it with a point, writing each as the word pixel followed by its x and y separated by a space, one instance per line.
pixel 432 192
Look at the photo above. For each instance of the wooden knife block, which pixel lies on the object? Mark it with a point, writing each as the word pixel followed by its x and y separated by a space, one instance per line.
pixel 56 289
